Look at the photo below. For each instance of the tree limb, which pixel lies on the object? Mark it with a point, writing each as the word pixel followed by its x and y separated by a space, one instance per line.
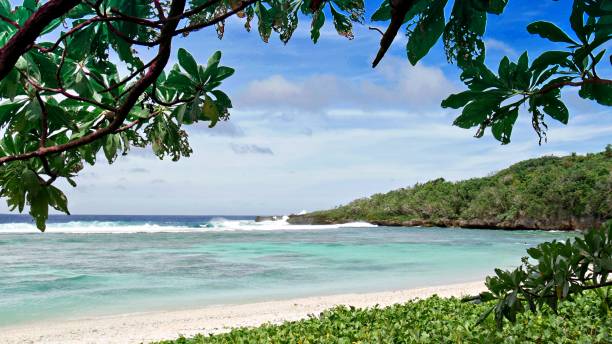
pixel 554 86
pixel 10 21
pixel 25 37
pixel 399 8
pixel 157 67
pixel 195 27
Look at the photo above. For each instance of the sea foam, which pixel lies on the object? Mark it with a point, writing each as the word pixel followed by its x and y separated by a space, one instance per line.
pixel 216 224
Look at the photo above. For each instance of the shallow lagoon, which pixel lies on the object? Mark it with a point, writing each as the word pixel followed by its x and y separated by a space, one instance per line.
pixel 152 263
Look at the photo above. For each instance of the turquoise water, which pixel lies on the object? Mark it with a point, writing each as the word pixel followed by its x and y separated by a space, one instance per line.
pixel 71 272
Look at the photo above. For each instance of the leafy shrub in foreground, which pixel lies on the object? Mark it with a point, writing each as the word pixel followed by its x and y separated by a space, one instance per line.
pixel 432 320
pixel 560 270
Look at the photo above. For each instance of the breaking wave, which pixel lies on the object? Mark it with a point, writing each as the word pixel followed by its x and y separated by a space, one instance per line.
pixel 215 224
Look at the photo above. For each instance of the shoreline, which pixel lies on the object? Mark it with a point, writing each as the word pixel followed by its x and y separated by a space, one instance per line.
pixel 160 325
pixel 445 223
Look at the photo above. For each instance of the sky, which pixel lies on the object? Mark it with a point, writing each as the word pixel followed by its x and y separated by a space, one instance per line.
pixel 314 126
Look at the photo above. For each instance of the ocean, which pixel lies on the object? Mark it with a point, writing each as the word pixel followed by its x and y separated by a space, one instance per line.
pixel 85 266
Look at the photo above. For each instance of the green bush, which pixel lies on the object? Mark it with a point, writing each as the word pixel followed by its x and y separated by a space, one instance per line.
pixel 554 271
pixel 432 320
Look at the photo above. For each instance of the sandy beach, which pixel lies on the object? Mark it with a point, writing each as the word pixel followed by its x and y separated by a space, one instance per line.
pixel 153 326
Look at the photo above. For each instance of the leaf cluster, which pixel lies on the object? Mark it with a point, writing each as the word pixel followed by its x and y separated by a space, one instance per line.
pixel 493 100
pixel 70 90
pixel 462 33
pixel 554 271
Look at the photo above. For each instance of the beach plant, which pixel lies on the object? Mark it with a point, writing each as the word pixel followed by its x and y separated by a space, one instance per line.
pixel 83 78
pixel 554 271
pixel 431 320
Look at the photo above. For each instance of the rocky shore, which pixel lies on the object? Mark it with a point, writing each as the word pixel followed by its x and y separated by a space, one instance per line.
pixel 571 224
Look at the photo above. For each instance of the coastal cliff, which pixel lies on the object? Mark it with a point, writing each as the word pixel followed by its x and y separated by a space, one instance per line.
pixel 550 193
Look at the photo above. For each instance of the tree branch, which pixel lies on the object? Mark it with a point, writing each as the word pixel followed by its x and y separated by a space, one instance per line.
pixel 554 86
pixel 44 125
pixel 195 10
pixel 10 21
pixel 23 39
pixel 137 121
pixel 74 30
pixel 399 8
pixel 195 27
pixel 157 67
pixel 44 128
pixel 160 10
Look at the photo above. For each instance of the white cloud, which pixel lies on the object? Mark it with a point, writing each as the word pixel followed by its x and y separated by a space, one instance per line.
pixel 497 45
pixel 250 149
pixel 225 128
pixel 398 86
pixel 573 133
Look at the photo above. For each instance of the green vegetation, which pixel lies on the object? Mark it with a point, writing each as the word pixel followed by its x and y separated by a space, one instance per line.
pixel 586 319
pixel 561 270
pixel 63 101
pixel 572 192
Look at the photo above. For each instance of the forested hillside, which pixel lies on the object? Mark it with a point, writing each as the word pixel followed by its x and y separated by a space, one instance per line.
pixel 562 193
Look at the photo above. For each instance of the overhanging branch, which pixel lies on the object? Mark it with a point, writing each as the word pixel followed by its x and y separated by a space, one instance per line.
pixel 25 37
pixel 154 71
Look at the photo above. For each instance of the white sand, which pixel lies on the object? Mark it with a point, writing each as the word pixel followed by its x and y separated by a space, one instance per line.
pixel 152 326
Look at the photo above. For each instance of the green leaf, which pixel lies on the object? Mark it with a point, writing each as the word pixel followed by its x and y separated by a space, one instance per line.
pixel 549 31
pixel 477 111
pixel 577 21
pixel 5 7
pixel 496 6
pixel 459 100
pixel 556 109
pixel 59 118
pixel 10 86
pixel 180 82
pixel 383 13
pixel 550 58
pixel 222 98
pixel 39 207
pixel 426 32
pixel 503 124
pixel 7 111
pixel 264 21
pixel 602 93
pixel 31 5
pixel 598 58
pixel 523 63
pixel 57 199
pixel 214 58
pixel 342 24
pixel 188 63
pixel 110 147
pixel 80 44
pixel 223 73
pixel 318 19
pixel 504 70
pixel 210 111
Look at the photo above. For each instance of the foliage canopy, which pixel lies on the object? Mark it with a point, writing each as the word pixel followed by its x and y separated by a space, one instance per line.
pixel 64 98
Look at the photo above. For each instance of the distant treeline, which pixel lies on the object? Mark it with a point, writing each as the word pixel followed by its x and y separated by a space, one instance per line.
pixel 563 193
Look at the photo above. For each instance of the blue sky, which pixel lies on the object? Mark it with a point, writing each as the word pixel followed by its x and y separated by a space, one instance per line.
pixel 314 126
